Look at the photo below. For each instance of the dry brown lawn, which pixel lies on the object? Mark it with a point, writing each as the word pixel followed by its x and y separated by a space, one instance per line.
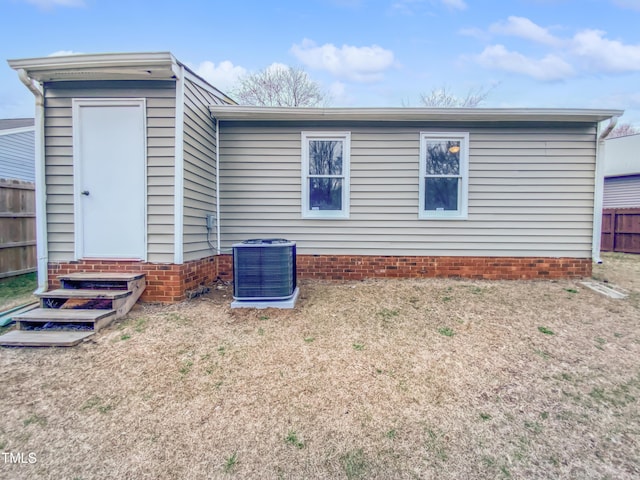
pixel 393 379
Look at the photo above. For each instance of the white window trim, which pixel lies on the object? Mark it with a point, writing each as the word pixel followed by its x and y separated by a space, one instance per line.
pixel 463 193
pixel 346 170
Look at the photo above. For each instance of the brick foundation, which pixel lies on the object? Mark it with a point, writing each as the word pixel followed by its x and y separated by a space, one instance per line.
pixel 358 267
pixel 166 283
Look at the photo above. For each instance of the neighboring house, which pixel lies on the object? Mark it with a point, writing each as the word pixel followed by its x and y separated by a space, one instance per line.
pixel 622 172
pixel 137 152
pixel 17 149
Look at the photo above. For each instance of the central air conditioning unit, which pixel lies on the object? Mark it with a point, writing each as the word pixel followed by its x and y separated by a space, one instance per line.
pixel 264 269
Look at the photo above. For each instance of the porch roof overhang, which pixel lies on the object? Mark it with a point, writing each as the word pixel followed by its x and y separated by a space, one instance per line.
pixel 103 66
pixel 455 115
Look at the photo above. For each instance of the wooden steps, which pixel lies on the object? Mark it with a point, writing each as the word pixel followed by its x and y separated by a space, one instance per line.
pixel 86 303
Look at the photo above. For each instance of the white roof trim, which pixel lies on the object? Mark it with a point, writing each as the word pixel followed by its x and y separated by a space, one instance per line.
pixel 13 131
pixel 248 113
pixel 103 66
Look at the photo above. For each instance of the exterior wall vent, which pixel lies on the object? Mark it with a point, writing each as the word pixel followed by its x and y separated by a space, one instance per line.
pixel 264 269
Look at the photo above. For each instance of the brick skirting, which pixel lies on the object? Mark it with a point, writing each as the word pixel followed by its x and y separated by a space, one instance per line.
pixel 168 283
pixel 358 267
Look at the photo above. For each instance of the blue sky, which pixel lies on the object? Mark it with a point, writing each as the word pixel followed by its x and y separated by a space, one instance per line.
pixel 534 53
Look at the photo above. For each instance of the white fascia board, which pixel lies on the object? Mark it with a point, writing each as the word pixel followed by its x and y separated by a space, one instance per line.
pixel 247 113
pixel 162 64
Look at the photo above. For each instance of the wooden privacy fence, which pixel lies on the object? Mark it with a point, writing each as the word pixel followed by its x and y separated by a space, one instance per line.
pixel 621 230
pixel 17 228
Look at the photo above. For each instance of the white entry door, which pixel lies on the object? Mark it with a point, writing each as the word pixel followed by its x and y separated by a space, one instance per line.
pixel 110 178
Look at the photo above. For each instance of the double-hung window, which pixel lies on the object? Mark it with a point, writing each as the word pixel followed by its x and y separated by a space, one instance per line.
pixel 325 174
pixel 444 175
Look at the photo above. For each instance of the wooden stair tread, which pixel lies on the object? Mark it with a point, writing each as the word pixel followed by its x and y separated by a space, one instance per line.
pixel 84 293
pixel 43 338
pixel 63 315
pixel 102 276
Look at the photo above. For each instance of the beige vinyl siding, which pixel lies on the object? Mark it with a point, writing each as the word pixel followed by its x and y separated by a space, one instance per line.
pixel 160 98
pixel 199 169
pixel 530 191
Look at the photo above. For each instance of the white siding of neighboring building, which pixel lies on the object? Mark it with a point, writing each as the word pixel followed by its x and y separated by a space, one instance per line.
pixel 531 191
pixel 17 155
pixel 622 192
pixel 160 97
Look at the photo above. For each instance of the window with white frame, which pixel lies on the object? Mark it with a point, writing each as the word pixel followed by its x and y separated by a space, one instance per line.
pixel 325 174
pixel 444 175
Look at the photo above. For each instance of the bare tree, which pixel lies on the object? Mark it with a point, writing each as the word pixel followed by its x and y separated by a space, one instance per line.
pixel 623 130
pixel 443 98
pixel 279 86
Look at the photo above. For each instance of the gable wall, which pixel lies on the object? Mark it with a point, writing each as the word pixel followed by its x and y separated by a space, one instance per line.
pixel 199 169
pixel 160 97
pixel 530 191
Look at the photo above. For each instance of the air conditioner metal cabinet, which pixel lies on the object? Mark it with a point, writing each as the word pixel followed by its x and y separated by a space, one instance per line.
pixel 264 269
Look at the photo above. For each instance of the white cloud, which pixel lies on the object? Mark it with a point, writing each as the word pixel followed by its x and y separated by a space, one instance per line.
pixel 361 64
pixel 605 55
pixel 455 4
pixel 49 4
pixel 549 68
pixel 631 4
pixel 62 53
pixel 412 7
pixel 525 28
pixel 222 76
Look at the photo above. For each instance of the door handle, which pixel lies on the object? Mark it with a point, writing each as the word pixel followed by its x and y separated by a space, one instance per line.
pixel 85 192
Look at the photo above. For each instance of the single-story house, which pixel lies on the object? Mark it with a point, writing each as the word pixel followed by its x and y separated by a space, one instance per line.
pixel 144 166
pixel 17 149
pixel 622 172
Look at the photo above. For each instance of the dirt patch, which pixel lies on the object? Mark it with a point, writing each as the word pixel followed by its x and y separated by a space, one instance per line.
pixel 375 379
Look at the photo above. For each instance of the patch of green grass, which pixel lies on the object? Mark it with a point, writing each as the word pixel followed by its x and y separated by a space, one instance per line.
pixel 354 464
pixel 435 445
pixel 447 299
pixel 105 408
pixel 230 463
pixel 141 325
pixel 544 415
pixel 505 472
pixel 535 427
pixel 446 331
pixel 97 403
pixel 222 350
pixel 358 346
pixel 309 339
pixel 292 439
pixel 546 331
pixel 391 434
pixel 542 353
pixel 178 319
pixel 264 317
pixel 571 290
pixel 485 416
pixel 35 419
pixel 18 286
pixel 600 342
pixel 125 336
pixel 387 314
pixel 186 367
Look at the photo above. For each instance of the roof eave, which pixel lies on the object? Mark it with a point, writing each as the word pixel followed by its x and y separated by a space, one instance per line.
pixel 251 113
pixel 155 65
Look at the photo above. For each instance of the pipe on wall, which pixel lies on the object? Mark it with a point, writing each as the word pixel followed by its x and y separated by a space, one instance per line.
pixel 41 193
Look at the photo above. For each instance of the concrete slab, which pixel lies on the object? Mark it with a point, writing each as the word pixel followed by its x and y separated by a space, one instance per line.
pixel 604 290
pixel 290 303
